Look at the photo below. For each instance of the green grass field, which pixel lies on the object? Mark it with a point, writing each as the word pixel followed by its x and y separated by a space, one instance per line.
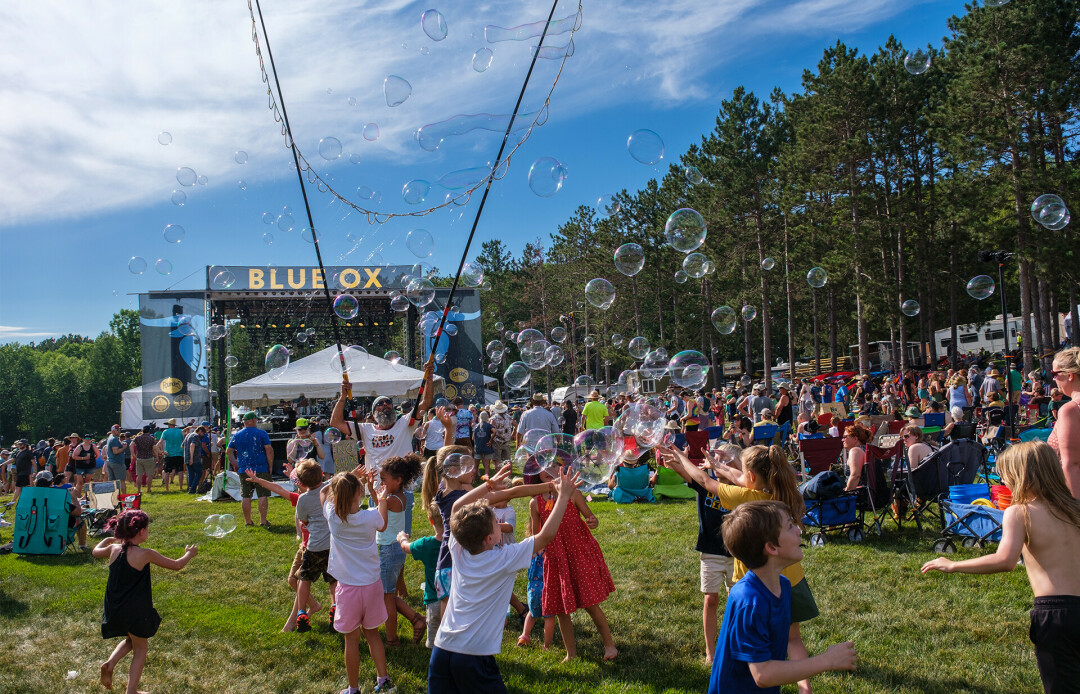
pixel 222 615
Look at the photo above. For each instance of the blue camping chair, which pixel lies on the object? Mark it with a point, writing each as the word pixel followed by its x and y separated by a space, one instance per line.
pixel 715 433
pixel 764 434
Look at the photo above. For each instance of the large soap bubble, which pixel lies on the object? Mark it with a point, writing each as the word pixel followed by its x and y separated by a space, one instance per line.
pixel 472 274
pixel 685 230
pixel 910 308
pixel 695 265
pixel 458 465
pixel 528 336
pixel 558 334
pixel 420 243
pixel 546 176
pixel 356 359
pixel 749 312
pixel 420 292
pixel 645 146
pixel 693 175
pixel 688 369
pixel 817 277
pixel 638 347
pixel 277 361
pixel 554 451
pixel 655 364
pixel 493 347
pixel 629 259
pixel 917 61
pixel 1048 209
pixel 607 205
pixel 227 523
pixel 396 90
pixel 216 332
pixel 346 306
pixel 212 526
pixel 535 354
pixel 434 25
pixel 517 375
pixel 399 302
pixel 600 293
pixel 329 148
pixel 481 59
pixel 596 450
pixel 723 319
pixel 981 287
pixel 554 355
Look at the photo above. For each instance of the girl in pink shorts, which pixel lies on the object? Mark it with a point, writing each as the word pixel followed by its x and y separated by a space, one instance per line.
pixel 354 562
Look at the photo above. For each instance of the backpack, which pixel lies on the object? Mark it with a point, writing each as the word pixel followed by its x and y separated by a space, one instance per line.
pixel 824 485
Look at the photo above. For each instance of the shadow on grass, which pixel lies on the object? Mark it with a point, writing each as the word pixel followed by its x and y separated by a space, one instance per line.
pixel 71 558
pixel 892 679
pixel 10 606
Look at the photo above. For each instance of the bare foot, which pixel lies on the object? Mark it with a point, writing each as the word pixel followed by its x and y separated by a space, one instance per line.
pixel 568 658
pixel 289 626
pixel 610 653
pixel 317 607
pixel 106 675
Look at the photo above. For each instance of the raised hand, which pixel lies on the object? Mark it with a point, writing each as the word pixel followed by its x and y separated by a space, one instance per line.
pixel 403 536
pixel 193 550
pixel 250 474
pixel 442 415
pixel 496 481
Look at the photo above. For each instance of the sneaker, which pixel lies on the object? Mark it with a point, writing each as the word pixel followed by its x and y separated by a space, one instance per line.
pixel 348 690
pixel 302 622
pixel 385 687
pixel 333 611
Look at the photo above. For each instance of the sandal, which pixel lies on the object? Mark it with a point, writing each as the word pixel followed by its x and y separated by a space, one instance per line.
pixel 419 626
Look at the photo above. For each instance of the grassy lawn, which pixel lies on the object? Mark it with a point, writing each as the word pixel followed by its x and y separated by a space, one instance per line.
pixel 222 615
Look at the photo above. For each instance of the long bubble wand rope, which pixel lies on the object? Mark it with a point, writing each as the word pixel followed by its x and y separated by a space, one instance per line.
pixel 483 200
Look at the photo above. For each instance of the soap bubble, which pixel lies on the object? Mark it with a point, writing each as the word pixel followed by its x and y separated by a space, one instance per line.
pixel 681 276
pixel 211 526
pixel 396 90
pixel 693 176
pixel 242 184
pixel 420 292
pixel 617 340
pixel 346 306
pixel 517 375
pixel 558 334
pixel 356 359
pixel 434 24
pixel 268 238
pixel 371 132
pixel 535 354
pixel 440 358
pixel 1061 224
pixel 996 3
pixel 917 62
pixel 329 148
pixel 393 356
pixel 607 205
pixel 302 337
pixel 688 369
pixel 415 191
pixel 1048 209
pixel 240 157
pixel 546 176
pixel 481 59
pixel 817 277
pixel 768 264
pixel 174 233
pixel 450 329
pixel 638 347
pixel 201 180
pixel 486 286
pixel 596 450
pixel 164 137
pixel 231 361
pixel 277 361
pixel 420 243
pixel 600 293
pixel 629 259
pixel 399 302
pixel 589 341
pixel 493 346
pixel 528 336
pixel 554 355
pixel 981 287
pixel 227 523
pixel 685 230
pixel 310 331
pixel 178 198
pixel 332 436
pixel 268 218
pixel 185 176
pixel 458 465
pixel 723 319
pixel 500 326
pixel 645 146
pixel 910 307
pixel 645 423
pixel 695 265
pixel 655 364
pixel 215 332
pixel 555 450
pixel 286 222
pixel 137 265
pixel 749 313
pixel 163 266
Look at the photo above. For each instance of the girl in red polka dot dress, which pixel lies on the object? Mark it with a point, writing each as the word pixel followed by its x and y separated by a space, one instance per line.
pixel 575 573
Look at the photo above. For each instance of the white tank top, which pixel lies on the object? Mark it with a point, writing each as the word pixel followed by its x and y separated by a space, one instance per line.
pixel 396 521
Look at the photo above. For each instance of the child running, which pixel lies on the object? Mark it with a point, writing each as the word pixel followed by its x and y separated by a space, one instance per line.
pixel 766 474
pixel 396 475
pixel 354 562
pixel 129 602
pixel 426 551
pixel 471 631
pixel 575 573
pixel 1043 525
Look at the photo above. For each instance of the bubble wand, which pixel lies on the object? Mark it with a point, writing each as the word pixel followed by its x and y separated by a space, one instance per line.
pixel 483 200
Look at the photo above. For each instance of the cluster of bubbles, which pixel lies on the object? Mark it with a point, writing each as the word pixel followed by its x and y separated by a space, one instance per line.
pixel 219 525
pixel 1050 211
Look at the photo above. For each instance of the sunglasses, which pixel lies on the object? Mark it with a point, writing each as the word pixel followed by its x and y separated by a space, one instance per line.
pixel 1058 374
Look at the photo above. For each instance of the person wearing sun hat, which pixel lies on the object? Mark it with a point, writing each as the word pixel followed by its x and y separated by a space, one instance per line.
pixel 595 412
pixel 502 430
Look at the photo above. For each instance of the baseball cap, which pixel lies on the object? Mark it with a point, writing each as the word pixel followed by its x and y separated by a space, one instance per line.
pixel 44 475
pixel 250 415
pixel 380 400
pixel 204 424
pixel 301 423
pixel 114 427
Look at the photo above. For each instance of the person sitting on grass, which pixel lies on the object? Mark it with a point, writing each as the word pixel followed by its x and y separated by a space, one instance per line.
pixel 129 603
pixel 426 551
pixel 751 651
pixel 470 635
pixel 1043 526
pixel 312 605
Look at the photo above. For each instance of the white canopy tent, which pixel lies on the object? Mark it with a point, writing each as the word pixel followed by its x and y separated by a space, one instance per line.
pixel 131 410
pixel 315 378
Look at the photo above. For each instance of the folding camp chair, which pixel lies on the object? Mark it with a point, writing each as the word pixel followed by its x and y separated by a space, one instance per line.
pixel 764 434
pixel 715 433
pixel 825 419
pixel 41 521
pixel 957 462
pixel 697 442
pixel 933 422
pixel 880 478
pixel 104 503
pixel 819 455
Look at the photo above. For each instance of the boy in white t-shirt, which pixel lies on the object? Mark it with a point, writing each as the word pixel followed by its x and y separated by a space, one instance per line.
pixel 470 634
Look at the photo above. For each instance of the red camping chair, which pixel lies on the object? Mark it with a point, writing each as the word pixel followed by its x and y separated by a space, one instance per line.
pixel 825 419
pixel 697 442
pixel 819 455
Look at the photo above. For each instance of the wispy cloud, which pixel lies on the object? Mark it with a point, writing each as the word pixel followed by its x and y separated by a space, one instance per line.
pixel 86 87
pixel 13 333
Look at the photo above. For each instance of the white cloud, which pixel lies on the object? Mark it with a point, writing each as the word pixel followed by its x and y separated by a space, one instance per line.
pixel 86 87
pixel 12 333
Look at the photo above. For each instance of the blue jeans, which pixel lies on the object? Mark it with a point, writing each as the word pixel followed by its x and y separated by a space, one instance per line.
pixel 194 473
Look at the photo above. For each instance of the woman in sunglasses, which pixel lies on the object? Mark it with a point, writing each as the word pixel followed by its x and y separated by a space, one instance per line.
pixel 1065 438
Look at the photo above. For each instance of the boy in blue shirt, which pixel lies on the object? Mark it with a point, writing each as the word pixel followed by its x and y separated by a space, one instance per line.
pixel 751 652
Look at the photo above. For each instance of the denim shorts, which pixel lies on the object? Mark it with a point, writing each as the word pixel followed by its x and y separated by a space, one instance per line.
pixel 391 559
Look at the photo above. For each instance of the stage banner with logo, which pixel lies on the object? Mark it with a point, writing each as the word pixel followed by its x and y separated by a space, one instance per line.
pixel 174 364
pixel 246 278
pixel 461 354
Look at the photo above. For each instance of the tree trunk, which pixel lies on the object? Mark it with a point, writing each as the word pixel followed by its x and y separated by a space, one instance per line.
pixel 954 317
pixel 834 347
pixel 766 320
pixel 1046 344
pixel 790 305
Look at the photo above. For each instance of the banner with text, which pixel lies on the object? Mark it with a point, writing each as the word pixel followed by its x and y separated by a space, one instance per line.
pixel 244 278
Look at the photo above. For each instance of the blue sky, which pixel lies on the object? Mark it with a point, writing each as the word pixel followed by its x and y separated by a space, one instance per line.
pixel 86 88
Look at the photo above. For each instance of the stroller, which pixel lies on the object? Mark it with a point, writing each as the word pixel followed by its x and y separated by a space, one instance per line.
pixel 924 488
pixel 974 524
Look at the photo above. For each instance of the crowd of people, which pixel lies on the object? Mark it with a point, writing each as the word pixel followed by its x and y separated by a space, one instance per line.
pixel 354 528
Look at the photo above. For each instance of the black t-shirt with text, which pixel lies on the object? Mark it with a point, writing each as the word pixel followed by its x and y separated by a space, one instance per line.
pixel 710 516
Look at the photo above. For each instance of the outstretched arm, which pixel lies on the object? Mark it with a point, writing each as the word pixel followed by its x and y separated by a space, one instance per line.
pixel 154 557
pixel 567 487
pixel 266 484
pixel 676 459
pixel 103 549
pixel 1004 559
pixel 773 673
